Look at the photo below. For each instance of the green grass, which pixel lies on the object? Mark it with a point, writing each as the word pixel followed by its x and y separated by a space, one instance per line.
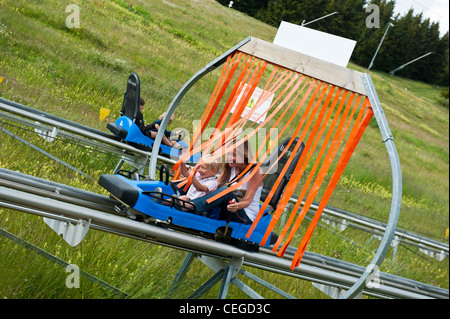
pixel 72 73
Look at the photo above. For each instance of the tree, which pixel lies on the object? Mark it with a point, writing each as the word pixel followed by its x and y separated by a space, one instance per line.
pixel 409 38
pixel 348 21
pixel 369 38
pixel 250 7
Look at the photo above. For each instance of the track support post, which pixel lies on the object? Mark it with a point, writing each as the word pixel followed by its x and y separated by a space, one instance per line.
pixel 227 273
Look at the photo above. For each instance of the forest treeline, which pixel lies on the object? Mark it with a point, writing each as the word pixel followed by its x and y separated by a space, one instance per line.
pixel 411 36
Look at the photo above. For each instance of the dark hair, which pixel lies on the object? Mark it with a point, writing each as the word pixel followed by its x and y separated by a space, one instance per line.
pixel 141 101
pixel 226 169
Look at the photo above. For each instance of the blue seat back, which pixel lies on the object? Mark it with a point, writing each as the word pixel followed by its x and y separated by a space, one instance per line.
pixel 130 105
pixel 271 176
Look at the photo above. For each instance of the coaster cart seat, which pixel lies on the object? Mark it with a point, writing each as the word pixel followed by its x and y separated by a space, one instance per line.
pixel 126 130
pixel 139 194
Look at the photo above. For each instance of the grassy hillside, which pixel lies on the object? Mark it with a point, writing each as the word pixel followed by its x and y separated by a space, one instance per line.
pixel 72 73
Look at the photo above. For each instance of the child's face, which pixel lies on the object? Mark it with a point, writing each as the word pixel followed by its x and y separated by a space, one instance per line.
pixel 205 170
pixel 141 107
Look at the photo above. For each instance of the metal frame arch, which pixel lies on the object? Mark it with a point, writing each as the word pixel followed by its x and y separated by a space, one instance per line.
pixel 181 93
pixel 391 226
pixel 349 79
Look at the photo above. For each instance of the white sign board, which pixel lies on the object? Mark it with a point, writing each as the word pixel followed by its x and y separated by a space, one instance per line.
pixel 321 45
pixel 259 114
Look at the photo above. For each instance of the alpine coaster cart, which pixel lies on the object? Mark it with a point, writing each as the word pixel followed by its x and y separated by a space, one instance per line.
pixel 313 114
pixel 126 130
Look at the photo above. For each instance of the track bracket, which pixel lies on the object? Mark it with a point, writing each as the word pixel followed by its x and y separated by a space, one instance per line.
pixel 72 234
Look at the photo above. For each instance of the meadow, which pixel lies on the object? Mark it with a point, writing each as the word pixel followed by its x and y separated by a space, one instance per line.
pixel 73 72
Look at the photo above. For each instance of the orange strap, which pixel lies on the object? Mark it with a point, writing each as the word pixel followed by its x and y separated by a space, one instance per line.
pixel 317 137
pixel 228 132
pixel 319 119
pixel 340 133
pixel 290 187
pixel 225 77
pixel 305 161
pixel 333 182
pixel 233 96
pixel 196 149
pixel 290 159
pixel 261 159
pixel 313 170
pixel 248 91
pixel 323 170
pixel 243 181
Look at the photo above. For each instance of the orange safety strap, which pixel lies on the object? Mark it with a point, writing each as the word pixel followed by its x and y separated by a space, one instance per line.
pixel 231 132
pixel 225 77
pixel 221 88
pixel 331 153
pixel 257 154
pixel 277 182
pixel 243 71
pixel 263 124
pixel 318 125
pixel 248 91
pixel 228 132
pixel 283 171
pixel 317 137
pixel 244 74
pixel 224 88
pixel 312 172
pixel 233 96
pixel 281 79
pixel 235 126
pixel 246 95
pixel 290 159
pixel 240 90
pixel 333 182
pixel 243 181
pixel 290 187
pixel 322 173
pixel 313 135
pixel 276 85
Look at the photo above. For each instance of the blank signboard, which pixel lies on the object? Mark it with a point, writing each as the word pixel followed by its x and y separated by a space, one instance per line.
pixel 321 45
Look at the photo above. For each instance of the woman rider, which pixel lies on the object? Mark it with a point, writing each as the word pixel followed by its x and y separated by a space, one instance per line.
pixel 243 209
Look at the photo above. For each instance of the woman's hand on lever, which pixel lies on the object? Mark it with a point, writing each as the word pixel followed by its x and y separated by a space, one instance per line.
pixel 232 206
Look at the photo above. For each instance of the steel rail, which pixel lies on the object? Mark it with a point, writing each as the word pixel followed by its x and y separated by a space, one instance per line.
pixel 62 134
pixel 376 225
pixel 137 230
pixel 88 199
pixel 37 115
pixel 316 268
pixel 92 134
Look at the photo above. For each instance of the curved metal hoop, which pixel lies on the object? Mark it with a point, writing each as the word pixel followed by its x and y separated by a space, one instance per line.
pixel 349 79
pixel 388 140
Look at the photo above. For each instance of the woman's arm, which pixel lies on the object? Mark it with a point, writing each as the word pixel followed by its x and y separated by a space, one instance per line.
pixel 253 185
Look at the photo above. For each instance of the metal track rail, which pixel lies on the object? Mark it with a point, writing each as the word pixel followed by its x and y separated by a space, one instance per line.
pixel 61 202
pixel 106 142
pixel 82 133
pixel 379 228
